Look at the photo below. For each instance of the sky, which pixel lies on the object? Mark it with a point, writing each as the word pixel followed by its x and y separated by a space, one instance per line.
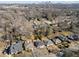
pixel 39 0
pixel 66 1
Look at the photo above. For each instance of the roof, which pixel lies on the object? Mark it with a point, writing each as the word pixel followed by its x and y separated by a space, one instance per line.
pixel 15 48
pixel 56 40
pixel 38 43
pixel 48 42
pixel 62 38
pixel 73 37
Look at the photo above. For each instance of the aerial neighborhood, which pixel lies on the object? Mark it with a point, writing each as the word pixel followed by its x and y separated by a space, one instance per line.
pixel 39 30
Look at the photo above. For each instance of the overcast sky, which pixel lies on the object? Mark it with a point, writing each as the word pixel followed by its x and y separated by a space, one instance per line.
pixel 39 0
pixel 31 1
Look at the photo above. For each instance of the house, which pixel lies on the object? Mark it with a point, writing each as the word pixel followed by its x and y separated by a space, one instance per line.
pixel 56 40
pixel 48 42
pixel 39 44
pixel 14 48
pixel 73 37
pixel 62 38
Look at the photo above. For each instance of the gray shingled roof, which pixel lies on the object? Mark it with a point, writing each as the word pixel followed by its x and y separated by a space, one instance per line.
pixel 48 42
pixel 38 43
pixel 15 48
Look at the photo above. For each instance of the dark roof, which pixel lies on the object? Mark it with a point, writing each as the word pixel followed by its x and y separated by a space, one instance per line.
pixel 15 48
pixel 73 37
pixel 38 43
